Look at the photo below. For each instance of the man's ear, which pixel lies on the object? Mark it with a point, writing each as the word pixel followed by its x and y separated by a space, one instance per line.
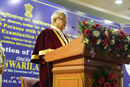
pixel 54 19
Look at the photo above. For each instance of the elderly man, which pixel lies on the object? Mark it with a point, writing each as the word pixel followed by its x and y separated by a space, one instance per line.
pixel 49 40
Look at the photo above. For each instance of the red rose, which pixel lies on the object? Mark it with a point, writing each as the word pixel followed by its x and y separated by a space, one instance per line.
pixel 122 33
pixel 116 81
pixel 120 37
pixel 119 46
pixel 113 84
pixel 84 22
pixel 97 25
pixel 94 41
pixel 107 84
pixel 114 74
pixel 101 80
pixel 105 42
pixel 94 27
pixel 98 86
pixel 110 75
pixel 87 32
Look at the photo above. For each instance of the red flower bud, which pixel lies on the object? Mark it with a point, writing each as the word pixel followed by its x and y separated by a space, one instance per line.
pixel 122 33
pixel 84 22
pixel 119 46
pixel 94 27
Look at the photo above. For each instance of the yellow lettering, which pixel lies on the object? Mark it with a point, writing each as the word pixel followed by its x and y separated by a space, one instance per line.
pixel 36 27
pixel 36 67
pixel 42 28
pixel 34 42
pixel 2 19
pixel 68 34
pixel 3 31
pixel 28 41
pixel 36 37
pixel 17 43
pixel 7 14
pixel 41 23
pixel 4 25
pixel 26 19
pixel 12 63
pixel 9 42
pixel 74 36
pixel 23 65
pixel 18 65
pixel 17 34
pixel 38 32
pixel 31 31
pixel 16 39
pixel 28 65
pixel 31 66
pixel 14 22
pixel 13 27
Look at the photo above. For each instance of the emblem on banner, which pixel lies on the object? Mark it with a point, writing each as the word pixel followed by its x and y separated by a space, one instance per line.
pixel 28 8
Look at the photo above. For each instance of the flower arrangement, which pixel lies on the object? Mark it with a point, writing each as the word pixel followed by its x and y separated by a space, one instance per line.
pixel 104 40
pixel 105 77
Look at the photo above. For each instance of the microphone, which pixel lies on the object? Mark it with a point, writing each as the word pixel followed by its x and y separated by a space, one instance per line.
pixel 73 26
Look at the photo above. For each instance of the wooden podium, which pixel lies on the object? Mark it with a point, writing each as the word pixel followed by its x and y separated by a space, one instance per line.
pixel 73 65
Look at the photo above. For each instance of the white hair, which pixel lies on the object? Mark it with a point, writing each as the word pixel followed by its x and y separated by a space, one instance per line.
pixel 55 15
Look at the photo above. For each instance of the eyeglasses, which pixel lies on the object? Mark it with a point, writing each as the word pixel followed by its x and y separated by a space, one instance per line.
pixel 64 19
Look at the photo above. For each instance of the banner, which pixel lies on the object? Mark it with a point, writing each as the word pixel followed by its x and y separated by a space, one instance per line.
pixel 22 21
pixel 126 67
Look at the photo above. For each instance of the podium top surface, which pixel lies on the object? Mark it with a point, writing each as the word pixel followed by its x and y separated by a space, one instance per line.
pixel 76 48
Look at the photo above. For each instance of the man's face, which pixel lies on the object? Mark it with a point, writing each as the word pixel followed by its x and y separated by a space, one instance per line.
pixel 61 21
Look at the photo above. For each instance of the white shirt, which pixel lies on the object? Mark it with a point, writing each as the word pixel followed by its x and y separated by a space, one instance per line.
pixel 61 33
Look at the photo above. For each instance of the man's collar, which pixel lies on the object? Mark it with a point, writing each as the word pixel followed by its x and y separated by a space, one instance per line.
pixel 56 28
